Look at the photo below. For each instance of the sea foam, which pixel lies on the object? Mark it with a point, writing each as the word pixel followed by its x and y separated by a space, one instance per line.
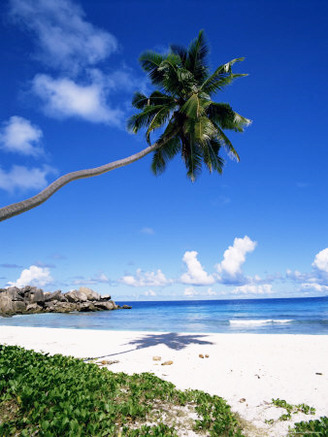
pixel 237 322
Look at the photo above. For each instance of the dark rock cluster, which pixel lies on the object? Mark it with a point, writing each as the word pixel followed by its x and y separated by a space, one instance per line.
pixel 31 300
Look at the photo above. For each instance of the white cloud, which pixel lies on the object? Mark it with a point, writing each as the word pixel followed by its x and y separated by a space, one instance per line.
pixel 317 280
pixel 122 79
pixel 100 278
pixel 65 39
pixel 141 279
pixel 190 292
pixel 314 287
pixel 235 256
pixel 64 98
pixel 211 292
pixel 23 178
pixel 297 276
pixel 34 275
pixel 150 293
pixel 253 289
pixel 20 136
pixel 321 261
pixel 195 275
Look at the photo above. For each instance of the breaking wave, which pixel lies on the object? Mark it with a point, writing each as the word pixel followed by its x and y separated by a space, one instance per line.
pixel 237 322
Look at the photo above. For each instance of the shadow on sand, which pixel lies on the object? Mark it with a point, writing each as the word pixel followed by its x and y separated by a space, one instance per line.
pixel 173 340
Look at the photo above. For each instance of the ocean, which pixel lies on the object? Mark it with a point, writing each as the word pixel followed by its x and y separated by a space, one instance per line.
pixel 267 316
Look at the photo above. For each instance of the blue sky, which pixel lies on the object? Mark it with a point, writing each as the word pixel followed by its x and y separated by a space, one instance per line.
pixel 69 70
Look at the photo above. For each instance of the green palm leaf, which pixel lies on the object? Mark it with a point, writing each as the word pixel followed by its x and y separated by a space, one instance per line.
pixel 226 118
pixel 180 51
pixel 158 98
pixel 204 130
pixel 221 77
pixel 162 155
pixel 161 116
pixel 222 136
pixel 183 107
pixel 176 79
pixel 195 106
pixel 214 161
pixel 193 160
pixel 196 57
pixel 143 119
pixel 139 100
pixel 150 62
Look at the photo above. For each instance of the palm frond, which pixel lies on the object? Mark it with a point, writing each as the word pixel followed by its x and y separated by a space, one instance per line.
pixel 164 154
pixel 213 161
pixel 195 106
pixel 137 121
pixel 158 164
pixel 180 51
pixel 196 57
pixel 150 62
pixel 192 107
pixel 182 106
pixel 172 129
pixel 204 130
pixel 158 98
pixel 207 158
pixel 220 82
pixel 175 77
pixel 193 161
pixel 226 117
pixel 158 120
pixel 221 77
pixel 227 143
pixel 139 100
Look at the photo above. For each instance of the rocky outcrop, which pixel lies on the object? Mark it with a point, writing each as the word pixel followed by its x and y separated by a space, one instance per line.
pixel 31 300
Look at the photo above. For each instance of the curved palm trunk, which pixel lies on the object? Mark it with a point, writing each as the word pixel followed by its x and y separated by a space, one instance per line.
pixel 25 205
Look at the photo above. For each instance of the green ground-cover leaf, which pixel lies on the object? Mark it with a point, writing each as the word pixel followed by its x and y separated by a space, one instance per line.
pixel 44 395
pixel 313 428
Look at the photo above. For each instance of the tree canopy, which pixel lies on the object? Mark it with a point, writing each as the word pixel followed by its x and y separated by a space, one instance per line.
pixel 192 123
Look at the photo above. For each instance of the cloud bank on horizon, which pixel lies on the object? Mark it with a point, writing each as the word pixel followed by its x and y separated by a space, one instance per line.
pixel 226 281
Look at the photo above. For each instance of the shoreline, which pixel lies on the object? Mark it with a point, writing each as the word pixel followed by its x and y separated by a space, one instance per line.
pixel 150 331
pixel 247 370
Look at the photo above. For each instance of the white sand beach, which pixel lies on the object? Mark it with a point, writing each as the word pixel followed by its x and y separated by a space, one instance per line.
pixel 247 370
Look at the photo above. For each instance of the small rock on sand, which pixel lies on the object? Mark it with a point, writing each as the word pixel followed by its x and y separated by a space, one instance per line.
pixel 108 362
pixel 167 363
pixel 157 358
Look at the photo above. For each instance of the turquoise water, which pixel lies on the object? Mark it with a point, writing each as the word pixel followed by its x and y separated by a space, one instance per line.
pixel 267 316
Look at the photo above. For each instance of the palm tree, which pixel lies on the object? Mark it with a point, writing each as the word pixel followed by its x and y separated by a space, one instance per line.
pixel 190 122
pixel 194 123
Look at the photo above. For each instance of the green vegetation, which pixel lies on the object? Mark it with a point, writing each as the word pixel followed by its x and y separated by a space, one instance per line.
pixel 313 428
pixel 48 396
pixel 292 409
pixel 182 105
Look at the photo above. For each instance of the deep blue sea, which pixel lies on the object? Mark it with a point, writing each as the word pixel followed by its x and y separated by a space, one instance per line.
pixel 267 316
